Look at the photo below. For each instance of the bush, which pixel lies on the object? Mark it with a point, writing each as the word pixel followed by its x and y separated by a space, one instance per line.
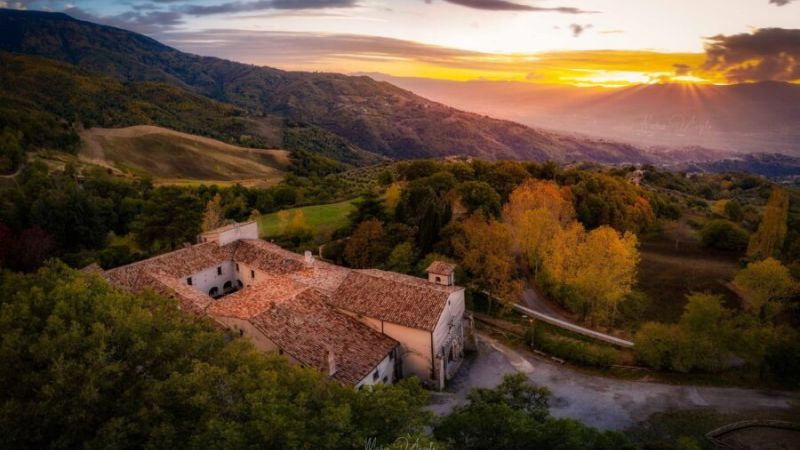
pixel 783 362
pixel 724 235
pixel 573 349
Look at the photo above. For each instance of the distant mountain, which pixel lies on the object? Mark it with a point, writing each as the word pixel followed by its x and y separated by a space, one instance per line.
pixel 343 114
pixel 757 117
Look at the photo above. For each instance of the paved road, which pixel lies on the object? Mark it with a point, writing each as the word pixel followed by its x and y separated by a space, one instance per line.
pixel 533 299
pixel 598 401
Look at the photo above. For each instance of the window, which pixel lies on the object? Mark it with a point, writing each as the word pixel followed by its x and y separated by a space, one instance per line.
pixel 438 279
pixel 219 270
pixel 189 281
pixel 385 380
pixel 237 267
pixel 253 274
pixel 376 375
pixel 241 332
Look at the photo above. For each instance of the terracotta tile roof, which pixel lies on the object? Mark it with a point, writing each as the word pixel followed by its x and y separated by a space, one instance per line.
pixel 266 257
pixel 305 327
pixel 252 300
pixel 441 268
pixel 179 263
pixel 393 297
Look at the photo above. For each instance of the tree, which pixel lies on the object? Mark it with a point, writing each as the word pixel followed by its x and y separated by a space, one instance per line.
pixel 539 195
pixel 734 211
pixel 392 196
pixel 88 366
pixel 367 246
pixel 480 196
pixel 401 259
pixel 169 218
pixel 11 151
pixel 768 239
pixel 515 415
pixel 213 217
pixel 762 282
pixel 485 249
pixel 701 339
pixel 724 235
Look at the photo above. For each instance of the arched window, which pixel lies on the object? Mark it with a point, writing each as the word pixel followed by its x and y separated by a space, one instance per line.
pixel 227 286
pixel 213 292
pixel 239 284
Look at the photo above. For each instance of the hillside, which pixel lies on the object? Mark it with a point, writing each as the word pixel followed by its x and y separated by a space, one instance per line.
pixel 756 117
pixel 169 155
pixel 371 116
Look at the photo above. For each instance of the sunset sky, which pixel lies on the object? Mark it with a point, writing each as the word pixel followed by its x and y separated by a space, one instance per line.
pixel 589 42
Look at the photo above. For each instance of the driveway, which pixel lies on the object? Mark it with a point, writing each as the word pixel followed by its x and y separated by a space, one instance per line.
pixel 532 298
pixel 605 403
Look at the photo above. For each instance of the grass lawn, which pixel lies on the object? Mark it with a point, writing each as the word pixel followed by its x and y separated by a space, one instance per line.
pixel 333 216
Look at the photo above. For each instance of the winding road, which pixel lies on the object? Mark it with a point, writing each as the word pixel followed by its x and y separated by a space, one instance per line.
pixel 606 403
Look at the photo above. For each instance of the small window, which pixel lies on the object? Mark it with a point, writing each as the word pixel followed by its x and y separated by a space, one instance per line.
pixel 376 375
pixel 219 270
pixel 385 380
pixel 253 274
pixel 189 281
pixel 241 332
pixel 438 279
pixel 237 267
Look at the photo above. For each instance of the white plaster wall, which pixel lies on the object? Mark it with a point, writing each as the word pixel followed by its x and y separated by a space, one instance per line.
pixel 385 369
pixel 240 231
pixel 454 309
pixel 204 280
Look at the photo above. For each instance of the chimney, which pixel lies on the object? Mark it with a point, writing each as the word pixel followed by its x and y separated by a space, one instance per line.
pixel 309 258
pixel 329 364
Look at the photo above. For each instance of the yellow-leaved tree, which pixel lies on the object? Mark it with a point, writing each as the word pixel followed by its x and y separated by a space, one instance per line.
pixel 213 217
pixel 763 282
pixel 485 249
pixel 768 239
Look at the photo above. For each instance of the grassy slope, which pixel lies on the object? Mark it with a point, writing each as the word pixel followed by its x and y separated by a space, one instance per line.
pixel 332 215
pixel 174 157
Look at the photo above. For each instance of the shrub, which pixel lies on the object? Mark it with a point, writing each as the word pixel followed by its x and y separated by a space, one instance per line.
pixel 724 235
pixel 573 349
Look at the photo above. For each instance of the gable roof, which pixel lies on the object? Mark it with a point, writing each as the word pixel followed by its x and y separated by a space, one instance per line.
pixel 305 327
pixel 441 268
pixel 393 297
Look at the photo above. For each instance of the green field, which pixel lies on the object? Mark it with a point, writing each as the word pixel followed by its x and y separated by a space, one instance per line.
pixel 333 216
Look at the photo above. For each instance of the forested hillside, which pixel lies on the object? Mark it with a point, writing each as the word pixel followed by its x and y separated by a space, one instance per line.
pixel 372 116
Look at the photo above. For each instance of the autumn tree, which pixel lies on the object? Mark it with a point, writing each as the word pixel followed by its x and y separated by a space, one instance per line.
pixel 485 248
pixel 599 266
pixel 213 217
pixel 367 246
pixel 763 282
pixel 392 196
pixel 768 239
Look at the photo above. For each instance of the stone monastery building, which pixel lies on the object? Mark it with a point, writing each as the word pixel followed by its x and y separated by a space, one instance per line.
pixel 360 327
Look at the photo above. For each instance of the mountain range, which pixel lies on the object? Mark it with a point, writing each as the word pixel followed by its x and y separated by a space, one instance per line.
pixel 355 119
pixel 749 117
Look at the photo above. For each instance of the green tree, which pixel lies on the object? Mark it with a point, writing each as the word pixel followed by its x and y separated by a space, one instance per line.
pixel 169 218
pixel 515 415
pixel 724 235
pixel 480 196
pixel 402 258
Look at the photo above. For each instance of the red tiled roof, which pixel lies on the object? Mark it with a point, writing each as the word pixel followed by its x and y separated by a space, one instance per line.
pixel 393 297
pixel 307 328
pixel 441 268
pixel 252 300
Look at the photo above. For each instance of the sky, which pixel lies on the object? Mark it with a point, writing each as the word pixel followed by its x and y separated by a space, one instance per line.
pixel 578 42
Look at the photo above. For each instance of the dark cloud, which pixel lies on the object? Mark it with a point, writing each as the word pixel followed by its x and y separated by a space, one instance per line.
pixel 766 54
pixel 578 29
pixel 259 5
pixel 682 69
pixel 780 2
pixel 147 22
pixel 503 5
